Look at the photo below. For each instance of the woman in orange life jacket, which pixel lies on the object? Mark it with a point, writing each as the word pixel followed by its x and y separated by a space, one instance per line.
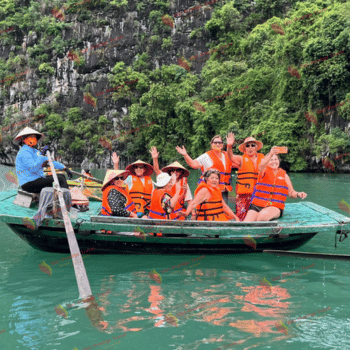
pixel 116 200
pixel 181 176
pixel 208 200
pixel 247 174
pixel 139 182
pixel 213 159
pixel 163 200
pixel 271 190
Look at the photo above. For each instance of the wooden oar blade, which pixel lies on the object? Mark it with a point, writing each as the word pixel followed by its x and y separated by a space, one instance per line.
pixel 78 264
pixel 308 255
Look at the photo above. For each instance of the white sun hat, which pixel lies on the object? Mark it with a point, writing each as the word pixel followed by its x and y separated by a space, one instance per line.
pixel 25 132
pixel 162 180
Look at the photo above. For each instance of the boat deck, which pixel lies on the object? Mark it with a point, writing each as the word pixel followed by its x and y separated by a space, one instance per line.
pixel 295 214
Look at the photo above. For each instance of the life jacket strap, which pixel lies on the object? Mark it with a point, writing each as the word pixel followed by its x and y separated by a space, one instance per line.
pixel 155 212
pixel 107 211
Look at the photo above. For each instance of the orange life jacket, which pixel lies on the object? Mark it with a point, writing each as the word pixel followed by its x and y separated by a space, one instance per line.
pixel 156 211
pixel 141 193
pixel 247 175
pixel 271 190
pixel 225 171
pixel 106 209
pixel 180 204
pixel 211 210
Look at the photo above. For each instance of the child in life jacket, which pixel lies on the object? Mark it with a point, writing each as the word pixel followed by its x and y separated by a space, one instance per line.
pixel 271 190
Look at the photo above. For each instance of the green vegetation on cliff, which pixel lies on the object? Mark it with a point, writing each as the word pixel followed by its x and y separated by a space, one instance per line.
pixel 278 63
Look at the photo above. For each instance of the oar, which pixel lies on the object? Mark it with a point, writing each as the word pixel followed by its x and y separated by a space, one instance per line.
pixel 87 177
pixel 308 255
pixel 79 267
pixel 88 193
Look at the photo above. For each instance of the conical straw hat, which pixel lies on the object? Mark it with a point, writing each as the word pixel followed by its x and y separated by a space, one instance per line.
pixel 112 174
pixel 250 139
pixel 25 132
pixel 148 168
pixel 174 166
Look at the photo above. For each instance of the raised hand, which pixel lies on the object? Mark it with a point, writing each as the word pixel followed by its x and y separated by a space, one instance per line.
pixel 230 139
pixel 181 150
pixel 154 152
pixel 274 150
pixel 115 159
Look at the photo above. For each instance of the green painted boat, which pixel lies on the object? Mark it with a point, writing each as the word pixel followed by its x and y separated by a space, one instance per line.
pixel 300 222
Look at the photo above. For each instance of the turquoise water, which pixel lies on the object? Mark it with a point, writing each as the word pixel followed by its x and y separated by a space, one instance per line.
pixel 202 302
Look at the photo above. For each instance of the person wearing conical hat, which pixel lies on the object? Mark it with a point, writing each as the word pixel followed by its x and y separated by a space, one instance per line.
pixel 116 200
pixel 140 185
pixel 247 174
pixel 30 163
pixel 181 176
pixel 213 159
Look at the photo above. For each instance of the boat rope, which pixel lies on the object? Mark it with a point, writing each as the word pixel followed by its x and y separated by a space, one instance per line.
pixel 78 224
pixel 343 235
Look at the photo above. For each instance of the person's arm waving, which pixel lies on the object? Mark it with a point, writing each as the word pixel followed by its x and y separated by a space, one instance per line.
pixel 192 163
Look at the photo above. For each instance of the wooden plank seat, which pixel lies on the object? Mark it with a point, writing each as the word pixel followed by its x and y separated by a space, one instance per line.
pixel 26 199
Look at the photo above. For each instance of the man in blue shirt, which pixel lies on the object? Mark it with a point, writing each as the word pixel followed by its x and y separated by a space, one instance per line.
pixel 30 163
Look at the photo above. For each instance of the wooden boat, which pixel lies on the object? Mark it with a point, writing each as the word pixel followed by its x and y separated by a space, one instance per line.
pixel 90 189
pixel 301 222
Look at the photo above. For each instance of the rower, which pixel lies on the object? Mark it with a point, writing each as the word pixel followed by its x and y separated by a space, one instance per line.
pixel 30 163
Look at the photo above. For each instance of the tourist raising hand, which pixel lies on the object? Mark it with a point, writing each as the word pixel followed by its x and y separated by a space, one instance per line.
pixel 271 190
pixel 115 159
pixel 181 175
pixel 215 158
pixel 155 156
pixel 247 173
pixel 230 139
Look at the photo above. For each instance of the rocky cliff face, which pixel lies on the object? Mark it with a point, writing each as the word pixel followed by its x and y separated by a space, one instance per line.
pixel 93 39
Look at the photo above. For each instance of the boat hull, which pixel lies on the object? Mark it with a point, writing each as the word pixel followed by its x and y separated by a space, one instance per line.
pixel 116 235
pixel 55 240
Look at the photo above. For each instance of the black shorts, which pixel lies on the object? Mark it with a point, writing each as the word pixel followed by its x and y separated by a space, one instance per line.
pixel 259 209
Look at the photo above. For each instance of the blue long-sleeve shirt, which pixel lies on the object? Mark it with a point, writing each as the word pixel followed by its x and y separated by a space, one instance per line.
pixel 29 163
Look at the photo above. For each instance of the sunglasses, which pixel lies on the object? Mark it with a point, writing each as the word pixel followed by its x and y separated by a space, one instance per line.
pixel 139 167
pixel 118 178
pixel 250 145
pixel 217 142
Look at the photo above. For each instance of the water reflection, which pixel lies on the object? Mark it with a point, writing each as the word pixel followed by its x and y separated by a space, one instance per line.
pixel 137 302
